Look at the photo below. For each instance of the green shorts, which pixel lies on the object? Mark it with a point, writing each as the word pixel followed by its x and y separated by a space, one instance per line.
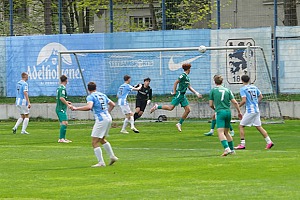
pixel 62 115
pixel 180 99
pixel 223 118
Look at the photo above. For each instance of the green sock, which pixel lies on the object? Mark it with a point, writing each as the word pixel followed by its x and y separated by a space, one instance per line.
pixel 213 124
pixel 224 144
pixel 231 145
pixel 230 127
pixel 181 121
pixel 62 131
pixel 159 107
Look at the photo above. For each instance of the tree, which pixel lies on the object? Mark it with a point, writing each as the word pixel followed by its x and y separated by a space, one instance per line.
pixel 290 13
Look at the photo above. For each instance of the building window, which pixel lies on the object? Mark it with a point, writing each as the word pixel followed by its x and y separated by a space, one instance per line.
pixel 144 22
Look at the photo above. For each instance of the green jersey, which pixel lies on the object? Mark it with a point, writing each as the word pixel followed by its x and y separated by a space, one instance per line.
pixel 61 92
pixel 221 97
pixel 184 82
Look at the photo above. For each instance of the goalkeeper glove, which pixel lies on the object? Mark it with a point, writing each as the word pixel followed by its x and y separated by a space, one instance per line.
pixel 148 102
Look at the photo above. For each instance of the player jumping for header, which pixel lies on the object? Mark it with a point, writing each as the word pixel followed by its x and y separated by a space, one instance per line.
pixel 183 83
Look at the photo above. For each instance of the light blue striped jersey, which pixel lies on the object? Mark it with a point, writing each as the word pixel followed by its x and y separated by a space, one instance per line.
pixel 100 105
pixel 122 94
pixel 251 93
pixel 21 87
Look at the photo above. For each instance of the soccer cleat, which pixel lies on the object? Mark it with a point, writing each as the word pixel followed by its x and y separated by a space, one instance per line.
pixel 124 131
pixel 232 152
pixel 135 130
pixel 231 133
pixel 24 132
pixel 269 146
pixel 99 165
pixel 226 153
pixel 240 147
pixel 68 140
pixel 62 141
pixel 178 127
pixel 209 134
pixel 113 160
pixel 153 108
pixel 14 130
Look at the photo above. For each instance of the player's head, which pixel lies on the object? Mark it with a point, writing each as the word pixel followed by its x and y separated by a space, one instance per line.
pixel 24 76
pixel 218 79
pixel 147 81
pixel 63 78
pixel 186 67
pixel 91 86
pixel 127 78
pixel 245 78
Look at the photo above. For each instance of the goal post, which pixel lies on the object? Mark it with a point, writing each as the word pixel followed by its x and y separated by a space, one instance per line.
pixel 107 68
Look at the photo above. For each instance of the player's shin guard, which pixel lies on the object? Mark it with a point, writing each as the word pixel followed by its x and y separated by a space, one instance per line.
pixel 136 116
pixel 25 124
pixel 62 131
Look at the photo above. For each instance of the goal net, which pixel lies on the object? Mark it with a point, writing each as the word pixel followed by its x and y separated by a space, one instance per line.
pixel 163 65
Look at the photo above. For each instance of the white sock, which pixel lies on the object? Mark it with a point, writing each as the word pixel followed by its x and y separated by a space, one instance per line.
pixel 108 149
pixel 268 140
pixel 25 124
pixel 124 124
pixel 131 121
pixel 212 130
pixel 20 120
pixel 243 142
pixel 98 154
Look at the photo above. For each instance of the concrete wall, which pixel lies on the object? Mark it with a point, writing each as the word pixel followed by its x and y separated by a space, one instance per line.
pixel 288 109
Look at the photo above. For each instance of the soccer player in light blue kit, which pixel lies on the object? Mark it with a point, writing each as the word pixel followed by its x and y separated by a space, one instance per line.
pixel 101 106
pixel 23 104
pixel 251 96
pixel 122 94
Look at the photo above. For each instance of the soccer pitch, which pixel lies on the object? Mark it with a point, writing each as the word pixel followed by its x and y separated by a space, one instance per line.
pixel 158 163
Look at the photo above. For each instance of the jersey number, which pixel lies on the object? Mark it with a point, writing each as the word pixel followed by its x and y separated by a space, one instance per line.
pixel 252 94
pixel 223 93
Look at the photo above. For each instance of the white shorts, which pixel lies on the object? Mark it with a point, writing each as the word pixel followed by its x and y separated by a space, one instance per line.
pixel 125 109
pixel 24 110
pixel 101 128
pixel 251 119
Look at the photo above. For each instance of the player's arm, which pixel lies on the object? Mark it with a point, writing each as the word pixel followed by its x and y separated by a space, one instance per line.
pixel 137 88
pixel 175 86
pixel 260 97
pixel 87 107
pixel 237 107
pixel 150 96
pixel 195 92
pixel 64 101
pixel 111 106
pixel 211 104
pixel 27 98
pixel 243 101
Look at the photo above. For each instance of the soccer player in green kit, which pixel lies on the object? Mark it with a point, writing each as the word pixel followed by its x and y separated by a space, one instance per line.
pixel 183 83
pixel 61 109
pixel 219 100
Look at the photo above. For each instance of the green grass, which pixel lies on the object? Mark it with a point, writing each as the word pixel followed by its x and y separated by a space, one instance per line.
pixel 158 163
pixel 156 98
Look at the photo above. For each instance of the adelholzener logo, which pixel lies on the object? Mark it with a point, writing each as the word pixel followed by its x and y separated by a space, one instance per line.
pixel 46 67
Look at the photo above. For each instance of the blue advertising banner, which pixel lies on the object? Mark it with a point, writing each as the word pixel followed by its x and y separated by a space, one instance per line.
pixel 38 56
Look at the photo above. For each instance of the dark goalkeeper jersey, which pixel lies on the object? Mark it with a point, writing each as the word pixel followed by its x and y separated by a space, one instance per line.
pixel 144 93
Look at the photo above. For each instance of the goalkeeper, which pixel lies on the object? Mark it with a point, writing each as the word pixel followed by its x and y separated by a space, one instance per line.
pixel 143 98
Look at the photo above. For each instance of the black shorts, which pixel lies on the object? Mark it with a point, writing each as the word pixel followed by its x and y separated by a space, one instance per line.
pixel 141 104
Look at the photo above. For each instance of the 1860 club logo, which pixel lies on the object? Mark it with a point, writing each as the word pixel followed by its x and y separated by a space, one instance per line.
pixel 236 64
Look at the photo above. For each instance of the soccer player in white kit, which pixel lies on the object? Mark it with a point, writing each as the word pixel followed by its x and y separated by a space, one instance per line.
pixel 122 94
pixel 101 106
pixel 251 96
pixel 23 104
